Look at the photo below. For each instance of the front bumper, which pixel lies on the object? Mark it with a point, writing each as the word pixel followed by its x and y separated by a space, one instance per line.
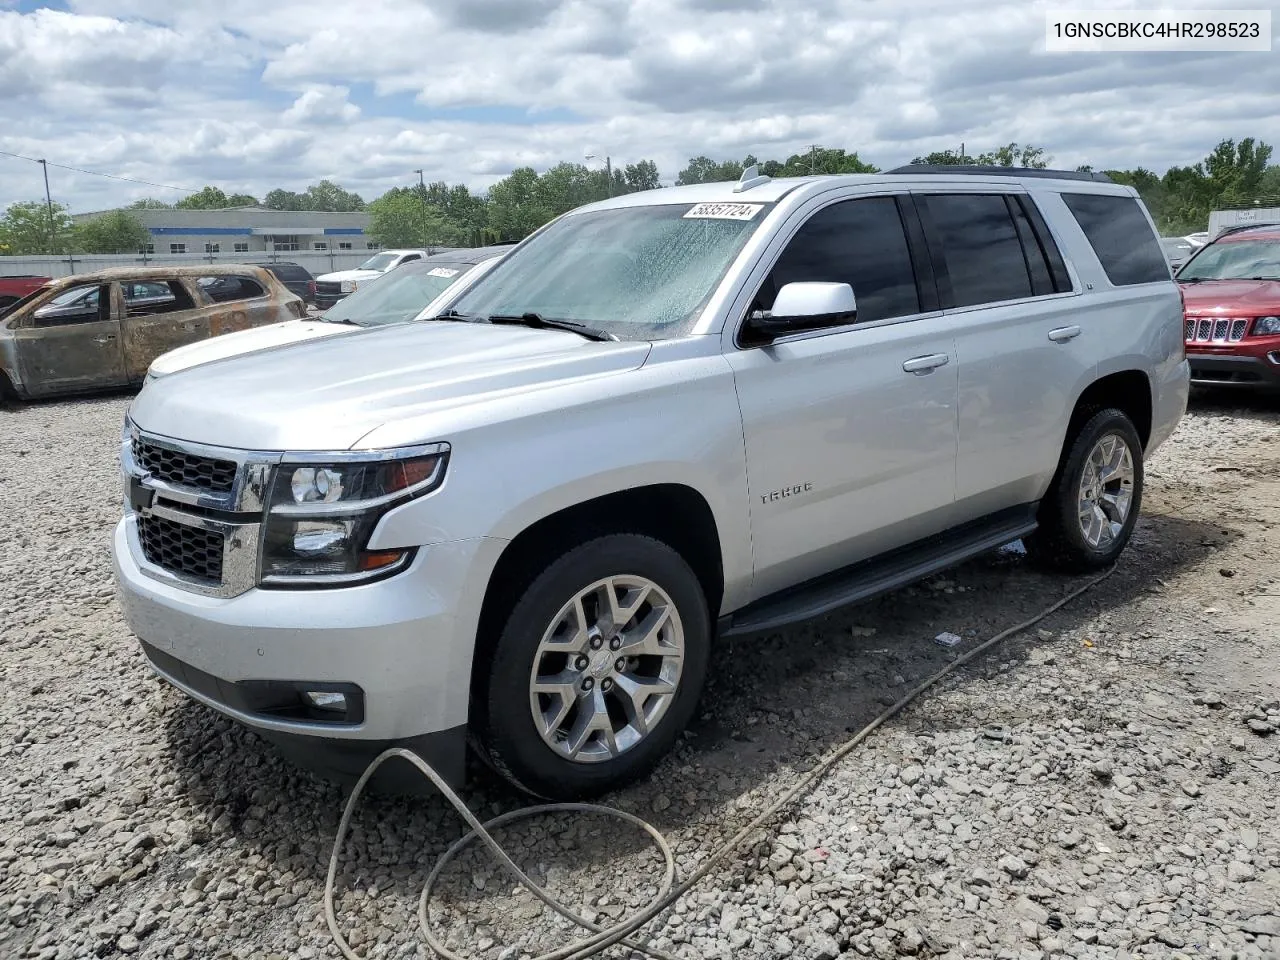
pixel 397 642
pixel 1242 371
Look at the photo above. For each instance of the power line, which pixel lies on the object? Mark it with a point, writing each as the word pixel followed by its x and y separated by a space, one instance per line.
pixel 95 173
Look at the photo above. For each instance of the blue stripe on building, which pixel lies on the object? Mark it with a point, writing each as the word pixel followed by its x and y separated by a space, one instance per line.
pixel 202 231
pixel 343 231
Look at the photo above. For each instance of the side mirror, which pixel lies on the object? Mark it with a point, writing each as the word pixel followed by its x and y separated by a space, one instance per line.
pixel 806 306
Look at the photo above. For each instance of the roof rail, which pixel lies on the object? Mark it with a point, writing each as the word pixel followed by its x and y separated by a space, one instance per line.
pixel 1241 227
pixel 975 169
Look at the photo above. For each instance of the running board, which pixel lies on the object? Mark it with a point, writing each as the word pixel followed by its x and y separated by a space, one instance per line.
pixel 889 571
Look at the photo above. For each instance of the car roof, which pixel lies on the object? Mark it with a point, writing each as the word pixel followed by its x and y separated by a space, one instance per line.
pixel 769 190
pixel 157 273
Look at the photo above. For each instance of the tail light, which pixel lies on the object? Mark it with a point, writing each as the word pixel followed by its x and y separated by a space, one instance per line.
pixel 311 289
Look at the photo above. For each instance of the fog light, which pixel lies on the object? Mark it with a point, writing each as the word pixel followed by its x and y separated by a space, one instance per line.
pixel 326 700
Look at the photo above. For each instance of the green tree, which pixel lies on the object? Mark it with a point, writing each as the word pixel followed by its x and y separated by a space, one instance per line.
pixel 213 198
pixel 459 205
pixel 396 220
pixel 150 203
pixel 112 232
pixel 823 160
pixel 516 205
pixel 331 198
pixel 1010 155
pixel 279 199
pixel 24 229
pixel 641 176
pixel 706 170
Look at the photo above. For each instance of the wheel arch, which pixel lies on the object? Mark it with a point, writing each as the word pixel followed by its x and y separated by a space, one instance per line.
pixel 673 513
pixel 1129 391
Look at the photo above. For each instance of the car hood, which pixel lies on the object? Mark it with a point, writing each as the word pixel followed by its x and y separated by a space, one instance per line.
pixel 1241 298
pixel 348 275
pixel 244 341
pixel 328 393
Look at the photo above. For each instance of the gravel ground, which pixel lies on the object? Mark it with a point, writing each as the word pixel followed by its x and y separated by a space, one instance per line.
pixel 1104 785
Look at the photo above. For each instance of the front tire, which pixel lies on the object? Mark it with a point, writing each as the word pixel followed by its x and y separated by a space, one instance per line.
pixel 597 670
pixel 1089 513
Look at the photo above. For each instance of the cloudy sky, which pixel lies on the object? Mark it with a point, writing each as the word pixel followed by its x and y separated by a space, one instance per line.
pixel 251 95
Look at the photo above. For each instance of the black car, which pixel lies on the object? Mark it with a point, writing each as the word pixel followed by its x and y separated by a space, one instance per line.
pixel 296 277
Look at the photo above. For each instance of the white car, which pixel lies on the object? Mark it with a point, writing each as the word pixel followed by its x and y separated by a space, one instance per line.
pixel 332 287
pixel 414 291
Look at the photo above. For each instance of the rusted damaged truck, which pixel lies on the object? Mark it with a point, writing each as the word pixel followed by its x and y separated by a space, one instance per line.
pixel 101 330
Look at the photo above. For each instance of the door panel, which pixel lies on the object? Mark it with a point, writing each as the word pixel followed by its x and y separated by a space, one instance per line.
pixel 1020 343
pixel 155 323
pixel 848 454
pixel 72 343
pixel 850 433
pixel 1017 387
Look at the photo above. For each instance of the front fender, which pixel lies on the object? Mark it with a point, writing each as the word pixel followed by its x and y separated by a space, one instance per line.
pixel 672 423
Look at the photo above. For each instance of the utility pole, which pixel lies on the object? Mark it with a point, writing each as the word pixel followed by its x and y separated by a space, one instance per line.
pixel 962 151
pixel 422 202
pixel 813 156
pixel 608 172
pixel 48 202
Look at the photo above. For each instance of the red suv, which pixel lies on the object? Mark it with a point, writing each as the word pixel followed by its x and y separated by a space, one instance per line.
pixel 1231 288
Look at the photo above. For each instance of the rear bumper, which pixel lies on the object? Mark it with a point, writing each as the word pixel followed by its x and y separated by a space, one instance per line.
pixel 1245 372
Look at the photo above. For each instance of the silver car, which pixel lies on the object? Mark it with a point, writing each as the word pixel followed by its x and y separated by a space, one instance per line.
pixel 675 415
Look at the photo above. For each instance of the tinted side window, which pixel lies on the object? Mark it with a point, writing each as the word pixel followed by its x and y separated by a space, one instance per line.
pixel 980 247
pixel 224 289
pixel 858 242
pixel 1121 237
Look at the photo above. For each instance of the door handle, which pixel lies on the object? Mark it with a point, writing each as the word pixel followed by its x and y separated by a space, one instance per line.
pixel 107 339
pixel 1063 334
pixel 922 365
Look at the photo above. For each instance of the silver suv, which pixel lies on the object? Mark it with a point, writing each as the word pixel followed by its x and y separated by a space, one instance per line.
pixel 667 417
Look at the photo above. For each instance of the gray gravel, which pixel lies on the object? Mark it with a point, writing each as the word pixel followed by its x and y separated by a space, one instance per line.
pixel 1103 786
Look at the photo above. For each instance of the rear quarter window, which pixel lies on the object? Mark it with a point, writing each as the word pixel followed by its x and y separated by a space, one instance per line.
pixel 224 289
pixel 1121 236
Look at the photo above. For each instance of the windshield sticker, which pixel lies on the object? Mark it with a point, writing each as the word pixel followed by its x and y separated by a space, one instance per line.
pixel 724 211
pixel 442 272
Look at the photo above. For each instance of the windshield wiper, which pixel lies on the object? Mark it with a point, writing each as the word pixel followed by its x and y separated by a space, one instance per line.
pixel 450 314
pixel 539 322
pixel 326 319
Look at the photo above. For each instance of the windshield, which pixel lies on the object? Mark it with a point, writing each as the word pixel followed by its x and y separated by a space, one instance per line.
pixel 379 262
pixel 639 273
pixel 1235 260
pixel 398 296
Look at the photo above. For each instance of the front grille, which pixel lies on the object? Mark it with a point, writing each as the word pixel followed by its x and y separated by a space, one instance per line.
pixel 181 549
pixel 185 469
pixel 328 288
pixel 1214 330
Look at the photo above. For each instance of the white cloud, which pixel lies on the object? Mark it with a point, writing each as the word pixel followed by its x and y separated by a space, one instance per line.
pixel 322 104
pixel 252 96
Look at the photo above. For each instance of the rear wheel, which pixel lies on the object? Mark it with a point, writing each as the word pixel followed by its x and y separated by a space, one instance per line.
pixel 597 670
pixel 1089 513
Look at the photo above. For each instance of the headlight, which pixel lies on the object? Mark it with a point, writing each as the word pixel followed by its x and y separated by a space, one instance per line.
pixel 1266 327
pixel 348 286
pixel 323 508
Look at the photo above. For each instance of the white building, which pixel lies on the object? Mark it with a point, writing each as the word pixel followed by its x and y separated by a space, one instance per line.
pixel 251 230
